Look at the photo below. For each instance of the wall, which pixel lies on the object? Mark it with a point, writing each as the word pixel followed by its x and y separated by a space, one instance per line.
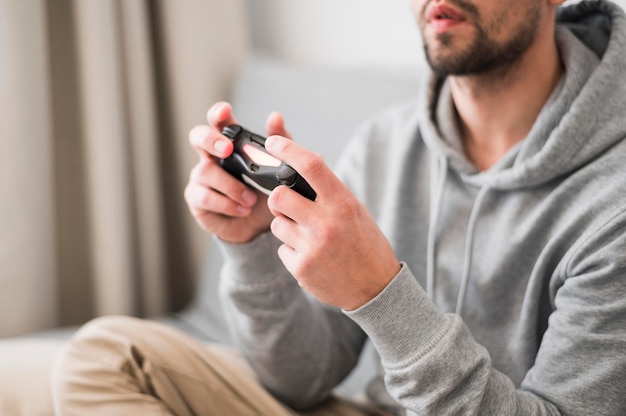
pixel 339 33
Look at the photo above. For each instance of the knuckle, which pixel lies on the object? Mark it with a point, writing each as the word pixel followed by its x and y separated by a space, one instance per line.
pixel 315 164
pixel 197 135
pixel 205 198
pixel 195 196
pixel 303 266
pixel 220 205
pixel 348 209
pixel 200 171
pixel 195 173
pixel 188 194
pixel 276 197
pixel 324 235
pixel 276 226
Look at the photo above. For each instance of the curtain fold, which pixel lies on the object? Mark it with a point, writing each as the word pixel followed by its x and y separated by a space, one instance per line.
pixel 26 209
pixel 97 99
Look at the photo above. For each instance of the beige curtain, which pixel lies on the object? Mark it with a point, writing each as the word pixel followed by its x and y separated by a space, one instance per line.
pixel 96 99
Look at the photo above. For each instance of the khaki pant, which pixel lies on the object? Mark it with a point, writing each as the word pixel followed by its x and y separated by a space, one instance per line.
pixel 128 366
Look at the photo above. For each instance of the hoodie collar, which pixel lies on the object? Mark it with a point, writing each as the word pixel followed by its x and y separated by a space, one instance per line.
pixel 559 140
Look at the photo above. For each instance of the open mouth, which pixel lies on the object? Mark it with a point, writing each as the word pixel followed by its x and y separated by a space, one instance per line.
pixel 445 15
pixel 442 17
pixel 443 12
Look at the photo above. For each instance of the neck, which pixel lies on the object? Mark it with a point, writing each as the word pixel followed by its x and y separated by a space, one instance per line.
pixel 498 109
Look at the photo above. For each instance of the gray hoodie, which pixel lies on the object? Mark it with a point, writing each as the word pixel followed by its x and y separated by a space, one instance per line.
pixel 511 299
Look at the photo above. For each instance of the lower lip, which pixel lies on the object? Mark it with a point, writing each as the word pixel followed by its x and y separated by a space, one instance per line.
pixel 444 25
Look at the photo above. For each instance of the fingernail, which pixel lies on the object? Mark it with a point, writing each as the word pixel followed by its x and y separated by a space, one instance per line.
pixel 220 145
pixel 269 142
pixel 249 197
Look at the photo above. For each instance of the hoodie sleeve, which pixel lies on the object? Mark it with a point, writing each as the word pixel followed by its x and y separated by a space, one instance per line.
pixel 299 348
pixel 433 366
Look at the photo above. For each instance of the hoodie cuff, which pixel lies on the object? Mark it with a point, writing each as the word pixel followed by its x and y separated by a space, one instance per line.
pixel 401 321
pixel 255 263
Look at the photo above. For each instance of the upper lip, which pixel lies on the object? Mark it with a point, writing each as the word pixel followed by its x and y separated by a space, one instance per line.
pixel 443 11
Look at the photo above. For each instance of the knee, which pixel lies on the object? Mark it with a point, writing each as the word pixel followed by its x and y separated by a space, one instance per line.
pixel 97 350
pixel 95 341
pixel 102 339
pixel 100 329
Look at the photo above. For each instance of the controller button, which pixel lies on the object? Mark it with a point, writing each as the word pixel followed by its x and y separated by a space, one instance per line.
pixel 286 175
pixel 232 131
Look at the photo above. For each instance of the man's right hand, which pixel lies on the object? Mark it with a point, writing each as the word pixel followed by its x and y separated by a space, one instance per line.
pixel 220 203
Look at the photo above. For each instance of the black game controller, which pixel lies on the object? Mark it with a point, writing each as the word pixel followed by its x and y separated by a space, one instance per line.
pixel 251 164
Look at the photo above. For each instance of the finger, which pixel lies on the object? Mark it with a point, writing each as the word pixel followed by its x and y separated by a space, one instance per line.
pixel 210 175
pixel 285 230
pixel 308 164
pixel 289 258
pixel 275 125
pixel 202 200
pixel 283 202
pixel 208 142
pixel 220 115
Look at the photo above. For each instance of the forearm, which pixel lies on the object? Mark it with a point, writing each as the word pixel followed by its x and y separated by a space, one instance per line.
pixel 299 348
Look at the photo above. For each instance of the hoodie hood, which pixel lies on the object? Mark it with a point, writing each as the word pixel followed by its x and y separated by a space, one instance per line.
pixel 588 102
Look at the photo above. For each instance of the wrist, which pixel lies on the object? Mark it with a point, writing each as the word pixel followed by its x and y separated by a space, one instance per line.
pixel 372 289
pixel 253 262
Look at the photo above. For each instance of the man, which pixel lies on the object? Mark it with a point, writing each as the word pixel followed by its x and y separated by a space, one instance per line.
pixel 476 237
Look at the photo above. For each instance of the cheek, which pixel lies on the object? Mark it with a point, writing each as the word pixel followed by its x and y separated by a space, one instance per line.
pixel 505 20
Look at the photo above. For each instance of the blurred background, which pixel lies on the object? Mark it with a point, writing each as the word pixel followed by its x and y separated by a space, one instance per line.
pixel 96 100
